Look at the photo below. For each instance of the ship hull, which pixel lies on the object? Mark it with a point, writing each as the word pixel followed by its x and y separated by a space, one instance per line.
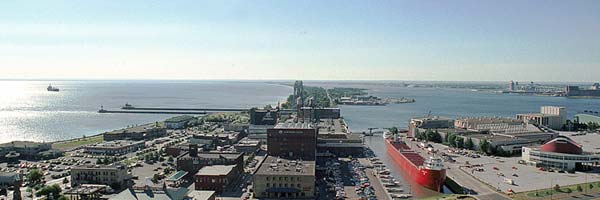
pixel 431 179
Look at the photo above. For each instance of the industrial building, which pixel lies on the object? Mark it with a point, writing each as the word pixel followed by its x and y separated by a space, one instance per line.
pixel 429 122
pixel 561 153
pixel 553 117
pixel 509 134
pixel 143 132
pixel 263 116
pixel 293 140
pixel 334 139
pixel 279 178
pixel 593 91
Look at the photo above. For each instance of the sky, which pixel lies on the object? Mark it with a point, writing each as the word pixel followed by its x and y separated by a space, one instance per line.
pixel 461 40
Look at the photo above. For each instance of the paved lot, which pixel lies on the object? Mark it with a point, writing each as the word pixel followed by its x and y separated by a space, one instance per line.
pixel 527 178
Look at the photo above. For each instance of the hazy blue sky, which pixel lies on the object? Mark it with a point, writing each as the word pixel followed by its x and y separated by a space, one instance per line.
pixel 394 40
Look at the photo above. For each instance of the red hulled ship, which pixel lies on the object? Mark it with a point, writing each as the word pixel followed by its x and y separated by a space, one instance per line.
pixel 429 173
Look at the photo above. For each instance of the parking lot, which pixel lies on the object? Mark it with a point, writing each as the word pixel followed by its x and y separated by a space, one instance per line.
pixel 500 172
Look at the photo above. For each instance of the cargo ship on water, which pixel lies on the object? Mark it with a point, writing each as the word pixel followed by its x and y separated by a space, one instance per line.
pixel 430 172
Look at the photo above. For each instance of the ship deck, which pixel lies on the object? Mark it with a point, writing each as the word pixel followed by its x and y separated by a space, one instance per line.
pixel 414 157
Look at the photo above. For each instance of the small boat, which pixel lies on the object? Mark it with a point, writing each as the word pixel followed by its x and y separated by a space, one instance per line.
pixel 52 89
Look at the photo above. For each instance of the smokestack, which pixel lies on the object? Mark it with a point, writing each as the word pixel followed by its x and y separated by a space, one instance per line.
pixel 193 150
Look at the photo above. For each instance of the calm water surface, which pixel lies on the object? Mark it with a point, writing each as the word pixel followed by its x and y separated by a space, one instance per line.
pixel 29 112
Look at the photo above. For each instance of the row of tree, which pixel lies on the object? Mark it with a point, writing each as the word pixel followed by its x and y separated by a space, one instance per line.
pixel 458 141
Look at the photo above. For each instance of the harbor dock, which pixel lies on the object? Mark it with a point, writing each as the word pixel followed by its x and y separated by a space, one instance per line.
pixel 152 112
pixel 190 109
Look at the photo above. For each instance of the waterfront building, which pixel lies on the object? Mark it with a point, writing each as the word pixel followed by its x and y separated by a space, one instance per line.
pixel 561 153
pixel 553 117
pixel 511 86
pixel 215 177
pixel 192 161
pixel 429 122
pixel 335 139
pixel 488 123
pixel 588 116
pixel 315 114
pixel 143 132
pixel 263 116
pixel 114 175
pixel 24 149
pixel 117 147
pixel 294 140
pixel 280 178
pixel 574 91
pixel 178 122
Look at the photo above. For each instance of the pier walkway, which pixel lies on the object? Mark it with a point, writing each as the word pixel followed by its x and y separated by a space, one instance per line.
pixel 189 109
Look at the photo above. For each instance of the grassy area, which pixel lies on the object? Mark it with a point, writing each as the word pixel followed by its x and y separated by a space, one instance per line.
pixel 564 191
pixel 77 142
pixel 449 197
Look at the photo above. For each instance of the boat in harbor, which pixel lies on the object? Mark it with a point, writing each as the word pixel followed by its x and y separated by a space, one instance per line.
pixel 430 172
pixel 52 89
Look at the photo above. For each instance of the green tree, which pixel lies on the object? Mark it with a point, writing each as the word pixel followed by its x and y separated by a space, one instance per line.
pixel 469 144
pixel 591 186
pixel 557 188
pixel 579 188
pixel 170 159
pixel 52 190
pixel 438 136
pixel 429 135
pixel 460 142
pixel 65 181
pixel 99 161
pixel 452 140
pixel 484 145
pixel 35 176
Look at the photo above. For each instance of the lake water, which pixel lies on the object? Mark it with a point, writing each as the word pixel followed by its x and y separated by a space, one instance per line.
pixel 29 112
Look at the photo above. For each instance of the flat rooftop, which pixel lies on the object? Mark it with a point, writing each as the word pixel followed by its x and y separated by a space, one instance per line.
pixel 115 144
pixel 22 144
pixel 215 155
pixel 294 125
pixel 279 166
pixel 215 170
pixel 136 129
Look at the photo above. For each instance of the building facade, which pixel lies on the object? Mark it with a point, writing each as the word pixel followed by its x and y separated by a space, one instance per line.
pixel 192 162
pixel 115 176
pixel 116 147
pixel 279 178
pixel 215 178
pixel 178 122
pixel 293 140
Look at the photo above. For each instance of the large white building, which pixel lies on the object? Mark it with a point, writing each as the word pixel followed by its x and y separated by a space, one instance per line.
pixel 553 117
